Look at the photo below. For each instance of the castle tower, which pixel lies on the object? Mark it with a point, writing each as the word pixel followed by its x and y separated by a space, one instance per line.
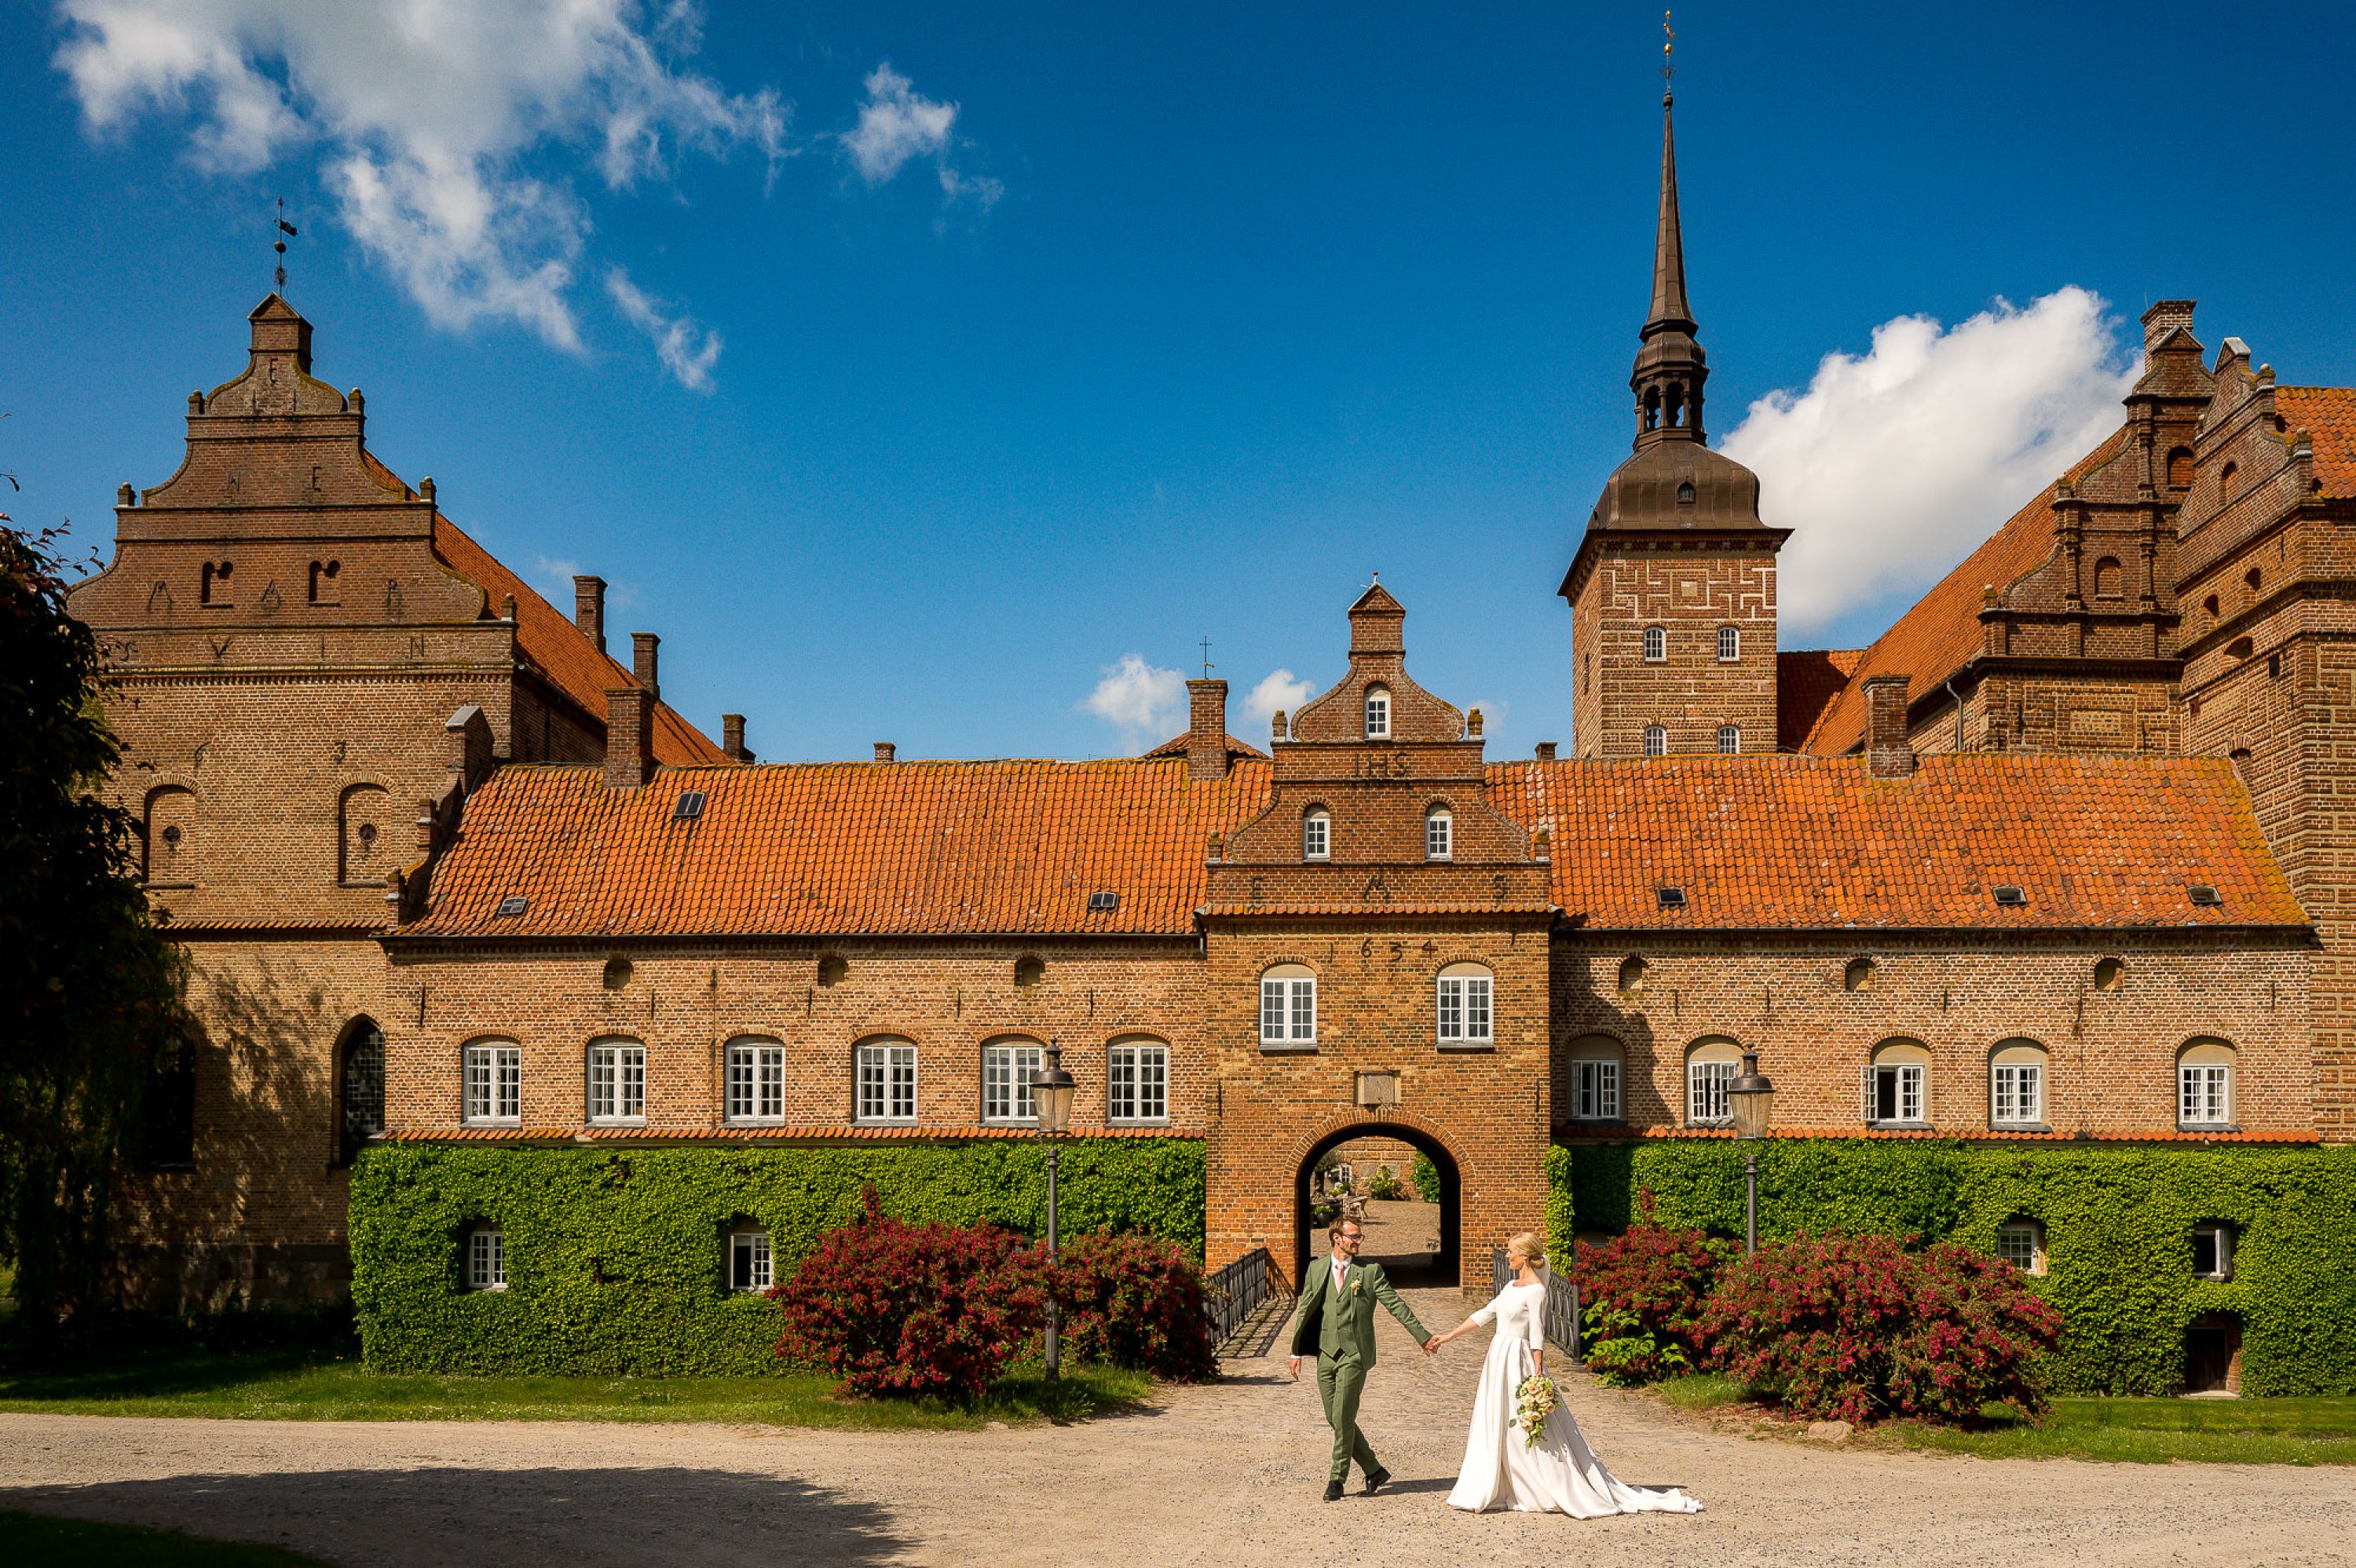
pixel 1673 589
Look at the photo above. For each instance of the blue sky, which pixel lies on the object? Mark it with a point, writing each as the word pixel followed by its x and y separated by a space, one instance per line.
pixel 1085 332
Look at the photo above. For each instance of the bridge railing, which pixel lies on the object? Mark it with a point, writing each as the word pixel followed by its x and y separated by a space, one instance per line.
pixel 1231 1294
pixel 1561 1304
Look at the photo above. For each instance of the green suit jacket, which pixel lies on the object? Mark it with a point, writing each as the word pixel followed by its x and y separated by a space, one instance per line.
pixel 1327 1324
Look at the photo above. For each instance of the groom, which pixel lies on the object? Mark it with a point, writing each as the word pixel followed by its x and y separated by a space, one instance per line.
pixel 1336 1323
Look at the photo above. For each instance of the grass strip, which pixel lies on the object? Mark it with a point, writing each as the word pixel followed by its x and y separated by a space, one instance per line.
pixel 43 1540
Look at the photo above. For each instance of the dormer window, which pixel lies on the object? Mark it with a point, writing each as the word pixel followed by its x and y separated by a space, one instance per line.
pixel 1439 834
pixel 1378 713
pixel 1685 493
pixel 1316 834
pixel 1657 644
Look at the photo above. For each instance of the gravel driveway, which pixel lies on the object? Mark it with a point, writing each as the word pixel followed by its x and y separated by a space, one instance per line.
pixel 1216 1475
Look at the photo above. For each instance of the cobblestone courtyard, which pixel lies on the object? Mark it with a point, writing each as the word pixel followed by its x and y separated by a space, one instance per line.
pixel 1211 1475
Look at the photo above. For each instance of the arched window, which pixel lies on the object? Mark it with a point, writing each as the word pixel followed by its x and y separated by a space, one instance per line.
pixel 1631 977
pixel 1378 713
pixel 1898 1084
pixel 1730 741
pixel 886 1081
pixel 1595 1064
pixel 2022 1244
pixel 171 837
pixel 756 1080
pixel 618 973
pixel 1316 834
pixel 1860 975
pixel 2254 578
pixel 364 811
pixel 2109 973
pixel 2017 1085
pixel 617 1081
pixel 1656 741
pixel 323 582
pixel 1730 643
pixel 359 1084
pixel 2209 606
pixel 485 1255
pixel 1711 1064
pixel 2108 578
pixel 2180 468
pixel 1467 995
pixel 1029 970
pixel 1006 1069
pixel 1652 407
pixel 1657 644
pixel 1288 1006
pixel 1686 493
pixel 1137 1080
pixel 212 583
pixel 2225 476
pixel 494 1083
pixel 2204 1084
pixel 833 968
pixel 1439 834
pixel 751 1265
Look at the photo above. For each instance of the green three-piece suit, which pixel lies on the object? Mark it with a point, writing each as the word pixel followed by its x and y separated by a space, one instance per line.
pixel 1339 1330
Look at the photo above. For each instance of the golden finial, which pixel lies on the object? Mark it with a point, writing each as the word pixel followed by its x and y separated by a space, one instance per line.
pixel 1669 53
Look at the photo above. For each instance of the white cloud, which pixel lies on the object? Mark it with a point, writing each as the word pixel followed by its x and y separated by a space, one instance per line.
pixel 1281 691
pixel 1492 712
pixel 1896 463
pixel 1147 705
pixel 442 127
pixel 898 124
pixel 674 337
pixel 556 580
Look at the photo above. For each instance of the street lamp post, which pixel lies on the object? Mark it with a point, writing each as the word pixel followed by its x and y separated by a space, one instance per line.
pixel 1751 1097
pixel 1051 1101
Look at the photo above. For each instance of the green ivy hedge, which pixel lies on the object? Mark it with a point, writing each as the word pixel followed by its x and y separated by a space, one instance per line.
pixel 615 1257
pixel 2118 1235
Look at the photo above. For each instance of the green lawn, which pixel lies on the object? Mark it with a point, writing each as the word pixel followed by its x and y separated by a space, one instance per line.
pixel 37 1541
pixel 318 1385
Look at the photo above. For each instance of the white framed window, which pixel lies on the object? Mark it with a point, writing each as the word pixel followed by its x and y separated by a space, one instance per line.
pixel 1006 1080
pixel 749 1264
pixel 2204 1084
pixel 1439 834
pixel 1656 741
pixel 887 1082
pixel 1595 1079
pixel 1657 644
pixel 756 1080
pixel 2022 1244
pixel 1378 713
pixel 1137 1082
pixel 1730 741
pixel 2016 1085
pixel 1896 1085
pixel 617 1081
pixel 1466 993
pixel 1730 643
pixel 486 1259
pixel 1316 834
pixel 2212 1250
pixel 1288 1006
pixel 1706 1105
pixel 494 1083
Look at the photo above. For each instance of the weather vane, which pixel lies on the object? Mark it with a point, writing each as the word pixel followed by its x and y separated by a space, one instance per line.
pixel 278 243
pixel 1669 54
pixel 1207 666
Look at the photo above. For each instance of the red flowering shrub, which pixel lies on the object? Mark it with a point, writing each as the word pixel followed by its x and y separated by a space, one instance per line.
pixel 1857 1328
pixel 1641 1294
pixel 1135 1302
pixel 895 1308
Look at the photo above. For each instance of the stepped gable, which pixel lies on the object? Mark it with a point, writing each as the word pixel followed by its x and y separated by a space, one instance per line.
pixel 1942 633
pixel 827 848
pixel 2329 416
pixel 1779 843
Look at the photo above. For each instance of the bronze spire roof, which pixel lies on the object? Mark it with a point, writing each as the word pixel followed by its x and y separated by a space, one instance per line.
pixel 1669 306
pixel 1670 367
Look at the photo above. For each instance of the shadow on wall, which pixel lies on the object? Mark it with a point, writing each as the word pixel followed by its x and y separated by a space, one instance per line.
pixel 430 1517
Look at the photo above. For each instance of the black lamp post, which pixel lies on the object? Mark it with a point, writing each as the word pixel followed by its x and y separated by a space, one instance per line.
pixel 1051 1102
pixel 1751 1097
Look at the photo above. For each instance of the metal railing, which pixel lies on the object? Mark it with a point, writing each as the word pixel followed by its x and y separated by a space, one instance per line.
pixel 1561 1304
pixel 1231 1294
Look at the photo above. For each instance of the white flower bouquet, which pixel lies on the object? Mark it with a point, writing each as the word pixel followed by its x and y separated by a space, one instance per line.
pixel 1533 1403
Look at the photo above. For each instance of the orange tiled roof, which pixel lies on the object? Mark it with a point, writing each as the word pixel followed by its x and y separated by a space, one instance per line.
pixel 898 1133
pixel 1576 1131
pixel 1816 843
pixel 2329 415
pixel 1807 681
pixel 1942 633
pixel 920 849
pixel 1176 747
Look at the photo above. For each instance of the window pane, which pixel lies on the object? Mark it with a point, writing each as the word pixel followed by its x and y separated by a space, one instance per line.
pixel 1451 1009
pixel 1271 1010
pixel 1152 1084
pixel 1730 741
pixel 1312 836
pixel 1304 1010
pixel 1656 741
pixel 1708 1082
pixel 1437 835
pixel 1476 1007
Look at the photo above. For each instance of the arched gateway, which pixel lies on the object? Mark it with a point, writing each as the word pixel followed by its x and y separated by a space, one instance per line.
pixel 1409 1258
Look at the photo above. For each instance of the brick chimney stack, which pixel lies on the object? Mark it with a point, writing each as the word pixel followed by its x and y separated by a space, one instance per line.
pixel 2164 318
pixel 885 751
pixel 1888 753
pixel 1546 751
pixel 1206 729
pixel 644 647
pixel 629 736
pixel 589 609
pixel 732 738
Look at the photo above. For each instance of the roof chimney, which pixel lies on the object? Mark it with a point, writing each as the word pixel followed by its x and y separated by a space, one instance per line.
pixel 589 609
pixel 629 736
pixel 2164 318
pixel 732 738
pixel 1546 751
pixel 1888 753
pixel 643 649
pixel 1206 729
pixel 885 751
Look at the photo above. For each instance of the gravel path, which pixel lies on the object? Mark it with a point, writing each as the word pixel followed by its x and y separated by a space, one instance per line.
pixel 1203 1478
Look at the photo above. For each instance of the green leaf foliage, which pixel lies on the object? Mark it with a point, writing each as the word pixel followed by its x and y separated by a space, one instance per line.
pixel 616 1257
pixel 2118 1235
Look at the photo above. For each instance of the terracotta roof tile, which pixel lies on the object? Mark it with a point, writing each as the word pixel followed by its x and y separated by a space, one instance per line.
pixel 1574 1132
pixel 2329 415
pixel 1815 842
pixel 1806 681
pixel 837 1133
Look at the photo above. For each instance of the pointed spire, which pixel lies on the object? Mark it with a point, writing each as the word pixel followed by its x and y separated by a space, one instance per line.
pixel 1669 306
pixel 1670 367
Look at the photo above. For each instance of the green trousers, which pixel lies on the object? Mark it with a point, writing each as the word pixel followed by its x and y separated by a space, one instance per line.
pixel 1340 1379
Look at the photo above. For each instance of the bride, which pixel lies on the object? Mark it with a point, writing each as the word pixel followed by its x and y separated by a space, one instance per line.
pixel 1557 1474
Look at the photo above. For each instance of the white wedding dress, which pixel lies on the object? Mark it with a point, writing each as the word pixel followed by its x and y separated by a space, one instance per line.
pixel 1558 1474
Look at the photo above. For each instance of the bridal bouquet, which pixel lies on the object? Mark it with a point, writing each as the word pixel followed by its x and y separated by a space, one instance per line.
pixel 1533 1403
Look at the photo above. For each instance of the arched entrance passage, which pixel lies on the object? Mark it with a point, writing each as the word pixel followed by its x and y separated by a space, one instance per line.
pixel 1396 1237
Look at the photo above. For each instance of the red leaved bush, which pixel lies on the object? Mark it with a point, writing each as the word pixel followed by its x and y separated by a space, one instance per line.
pixel 1135 1302
pixel 1642 1292
pixel 1857 1328
pixel 895 1308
